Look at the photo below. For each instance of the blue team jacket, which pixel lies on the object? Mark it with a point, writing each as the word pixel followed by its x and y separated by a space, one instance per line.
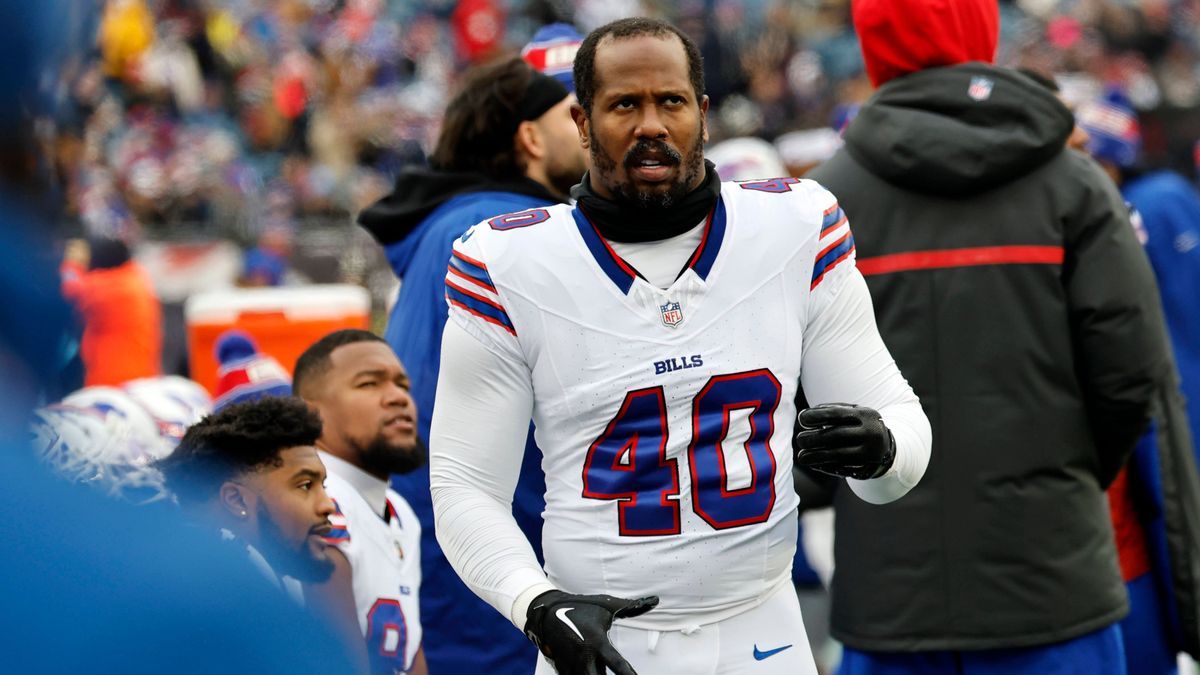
pixel 1170 211
pixel 1163 466
pixel 462 633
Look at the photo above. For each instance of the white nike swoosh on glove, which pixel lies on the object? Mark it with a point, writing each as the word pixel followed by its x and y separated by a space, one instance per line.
pixel 562 616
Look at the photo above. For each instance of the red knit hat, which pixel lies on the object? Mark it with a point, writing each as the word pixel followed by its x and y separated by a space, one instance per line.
pixel 898 37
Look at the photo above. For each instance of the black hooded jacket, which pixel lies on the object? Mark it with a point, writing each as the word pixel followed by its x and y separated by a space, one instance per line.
pixel 1010 288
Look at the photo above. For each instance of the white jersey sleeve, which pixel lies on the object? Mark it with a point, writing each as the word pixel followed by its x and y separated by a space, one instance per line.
pixel 844 359
pixel 480 422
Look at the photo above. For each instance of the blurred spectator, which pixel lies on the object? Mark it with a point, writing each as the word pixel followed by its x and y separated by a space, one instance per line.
pixel 126 32
pixel 245 373
pixel 1014 296
pixel 122 318
pixel 267 263
pixel 507 144
pixel 552 51
pixel 478 29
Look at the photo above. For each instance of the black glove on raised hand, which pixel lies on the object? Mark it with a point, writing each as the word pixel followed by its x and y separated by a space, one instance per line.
pixel 572 630
pixel 844 440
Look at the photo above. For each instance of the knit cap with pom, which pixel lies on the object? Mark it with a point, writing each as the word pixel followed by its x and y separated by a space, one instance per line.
pixel 246 374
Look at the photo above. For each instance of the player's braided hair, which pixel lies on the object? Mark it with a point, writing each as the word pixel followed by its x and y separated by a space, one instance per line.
pixel 235 440
pixel 585 58
pixel 480 121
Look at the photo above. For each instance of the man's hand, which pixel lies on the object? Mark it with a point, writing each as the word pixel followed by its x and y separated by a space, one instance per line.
pixel 844 440
pixel 572 630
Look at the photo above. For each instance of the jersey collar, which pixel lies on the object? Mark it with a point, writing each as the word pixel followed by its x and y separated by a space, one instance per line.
pixel 622 273
pixel 373 490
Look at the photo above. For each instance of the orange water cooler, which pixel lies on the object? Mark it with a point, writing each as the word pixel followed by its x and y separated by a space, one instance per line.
pixel 284 321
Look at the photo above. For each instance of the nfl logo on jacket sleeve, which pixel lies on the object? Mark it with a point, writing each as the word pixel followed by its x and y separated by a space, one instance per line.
pixel 672 315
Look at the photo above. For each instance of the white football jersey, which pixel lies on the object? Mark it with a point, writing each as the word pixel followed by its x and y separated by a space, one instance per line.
pixel 665 416
pixel 385 561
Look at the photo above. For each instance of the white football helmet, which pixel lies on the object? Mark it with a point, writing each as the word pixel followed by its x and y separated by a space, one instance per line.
pixel 145 442
pixel 174 402
pixel 89 445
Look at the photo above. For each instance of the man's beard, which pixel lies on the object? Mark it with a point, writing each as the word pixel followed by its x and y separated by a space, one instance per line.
pixel 287 560
pixel 565 175
pixel 382 458
pixel 626 194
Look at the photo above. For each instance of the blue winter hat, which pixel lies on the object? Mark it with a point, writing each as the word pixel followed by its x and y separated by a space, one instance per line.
pixel 1113 130
pixel 552 51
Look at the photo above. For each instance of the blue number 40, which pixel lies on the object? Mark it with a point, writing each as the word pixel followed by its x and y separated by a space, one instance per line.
pixel 629 462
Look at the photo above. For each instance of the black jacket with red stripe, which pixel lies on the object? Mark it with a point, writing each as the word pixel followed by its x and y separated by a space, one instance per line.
pixel 1012 292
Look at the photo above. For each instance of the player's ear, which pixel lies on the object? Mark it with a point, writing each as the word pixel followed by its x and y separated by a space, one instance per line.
pixel 528 141
pixel 581 123
pixel 704 117
pixel 235 499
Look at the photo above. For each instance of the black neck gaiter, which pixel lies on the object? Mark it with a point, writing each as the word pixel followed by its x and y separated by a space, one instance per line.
pixel 630 224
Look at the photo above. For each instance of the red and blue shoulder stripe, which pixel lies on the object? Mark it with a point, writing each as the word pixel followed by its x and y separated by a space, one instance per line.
pixel 469 287
pixel 340 533
pixel 835 243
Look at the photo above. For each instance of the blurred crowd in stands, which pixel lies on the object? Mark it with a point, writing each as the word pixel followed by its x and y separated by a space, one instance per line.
pixel 254 117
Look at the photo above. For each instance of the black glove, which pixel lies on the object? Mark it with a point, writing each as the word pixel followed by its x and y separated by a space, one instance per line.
pixel 844 440
pixel 572 630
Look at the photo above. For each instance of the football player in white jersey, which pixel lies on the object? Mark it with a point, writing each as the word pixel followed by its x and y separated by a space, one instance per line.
pixel 656 332
pixel 356 383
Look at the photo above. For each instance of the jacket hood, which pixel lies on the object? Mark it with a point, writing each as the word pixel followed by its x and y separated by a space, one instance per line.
pixel 958 130
pixel 898 37
pixel 420 191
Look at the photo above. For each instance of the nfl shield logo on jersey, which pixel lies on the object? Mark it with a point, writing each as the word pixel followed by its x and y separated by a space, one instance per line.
pixel 671 314
pixel 980 89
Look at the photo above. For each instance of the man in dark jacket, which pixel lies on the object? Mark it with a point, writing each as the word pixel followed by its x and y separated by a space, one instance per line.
pixel 1010 288
pixel 507 144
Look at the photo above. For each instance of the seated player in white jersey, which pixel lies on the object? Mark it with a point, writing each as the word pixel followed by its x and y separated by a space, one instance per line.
pixel 361 390
pixel 656 333
pixel 252 471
